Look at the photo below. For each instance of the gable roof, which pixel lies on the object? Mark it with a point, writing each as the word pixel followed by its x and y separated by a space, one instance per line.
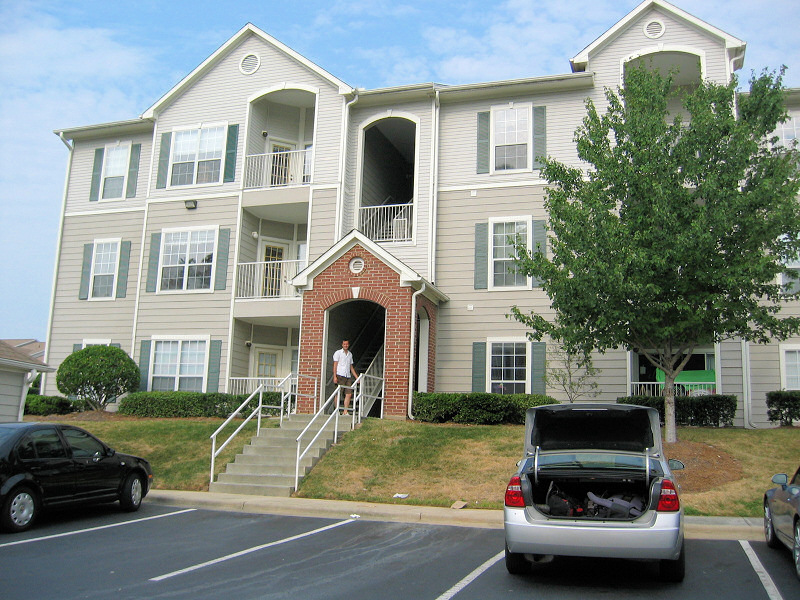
pixel 18 360
pixel 212 60
pixel 734 45
pixel 408 276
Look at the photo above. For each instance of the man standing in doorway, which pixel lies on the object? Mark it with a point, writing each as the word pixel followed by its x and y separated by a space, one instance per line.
pixel 342 370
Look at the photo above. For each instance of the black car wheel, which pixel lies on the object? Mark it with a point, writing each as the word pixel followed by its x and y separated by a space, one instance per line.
pixel 769 528
pixel 19 510
pixel 796 548
pixel 673 570
pixel 517 564
pixel 130 498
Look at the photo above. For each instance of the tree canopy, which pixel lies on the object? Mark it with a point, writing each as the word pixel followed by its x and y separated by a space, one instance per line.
pixel 97 374
pixel 677 233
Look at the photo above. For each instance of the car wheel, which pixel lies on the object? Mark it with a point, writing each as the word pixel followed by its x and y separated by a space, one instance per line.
pixel 769 528
pixel 673 570
pixel 19 510
pixel 516 563
pixel 130 498
pixel 796 548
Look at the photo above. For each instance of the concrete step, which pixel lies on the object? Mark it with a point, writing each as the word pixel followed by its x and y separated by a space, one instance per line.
pixel 264 462
pixel 274 469
pixel 252 489
pixel 279 453
pixel 270 480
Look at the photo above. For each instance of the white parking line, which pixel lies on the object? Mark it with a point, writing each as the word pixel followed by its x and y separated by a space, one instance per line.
pixel 766 580
pixel 249 551
pixel 471 577
pixel 58 535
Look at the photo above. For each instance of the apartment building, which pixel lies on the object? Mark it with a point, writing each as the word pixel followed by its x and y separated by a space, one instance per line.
pixel 263 210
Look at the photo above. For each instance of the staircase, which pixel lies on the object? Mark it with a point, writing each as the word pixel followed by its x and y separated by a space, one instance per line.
pixel 266 466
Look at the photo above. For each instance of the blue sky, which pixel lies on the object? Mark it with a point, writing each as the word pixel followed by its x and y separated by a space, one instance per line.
pixel 66 64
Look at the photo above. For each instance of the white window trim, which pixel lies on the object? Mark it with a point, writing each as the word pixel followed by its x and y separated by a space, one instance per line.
pixel 210 289
pixel 783 348
pixel 113 295
pixel 196 160
pixel 178 338
pixel 514 340
pixel 96 342
pixel 529 242
pixel 125 172
pixel 493 146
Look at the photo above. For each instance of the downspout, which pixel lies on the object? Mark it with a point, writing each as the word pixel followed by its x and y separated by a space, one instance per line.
pixel 411 347
pixel 342 162
pixel 29 379
pixel 746 395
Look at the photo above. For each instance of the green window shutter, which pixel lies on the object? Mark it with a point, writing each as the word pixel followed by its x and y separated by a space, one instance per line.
pixel 97 175
pixel 230 153
pixel 116 345
pixel 539 136
pixel 133 170
pixel 163 160
pixel 214 359
pixel 483 142
pixel 86 271
pixel 144 365
pixel 124 263
pixel 539 229
pixel 481 256
pixel 77 347
pixel 223 250
pixel 152 262
pixel 538 362
pixel 478 366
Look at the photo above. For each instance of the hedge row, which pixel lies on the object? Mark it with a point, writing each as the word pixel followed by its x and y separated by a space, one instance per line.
pixel 783 406
pixel 49 405
pixel 476 408
pixel 186 404
pixel 714 410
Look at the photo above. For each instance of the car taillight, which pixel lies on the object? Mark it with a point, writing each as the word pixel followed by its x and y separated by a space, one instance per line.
pixel 668 501
pixel 514 493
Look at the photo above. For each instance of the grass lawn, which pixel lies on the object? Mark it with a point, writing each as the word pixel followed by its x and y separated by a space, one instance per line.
pixel 440 464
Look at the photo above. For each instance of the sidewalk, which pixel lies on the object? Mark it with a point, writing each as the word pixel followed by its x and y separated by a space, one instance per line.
pixel 712 528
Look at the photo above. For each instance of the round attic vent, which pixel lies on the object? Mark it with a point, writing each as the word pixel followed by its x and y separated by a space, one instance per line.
pixel 249 64
pixel 654 29
pixel 356 265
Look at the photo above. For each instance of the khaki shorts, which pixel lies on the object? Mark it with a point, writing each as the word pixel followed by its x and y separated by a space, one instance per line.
pixel 345 382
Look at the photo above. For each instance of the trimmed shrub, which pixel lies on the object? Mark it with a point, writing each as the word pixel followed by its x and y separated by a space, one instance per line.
pixel 477 408
pixel 48 405
pixel 714 410
pixel 783 406
pixel 97 375
pixel 187 404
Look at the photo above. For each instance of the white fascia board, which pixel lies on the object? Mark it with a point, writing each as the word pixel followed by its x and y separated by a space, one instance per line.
pixel 579 62
pixel 106 129
pixel 25 366
pixel 222 50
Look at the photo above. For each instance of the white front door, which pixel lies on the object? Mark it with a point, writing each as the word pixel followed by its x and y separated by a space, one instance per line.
pixel 273 256
pixel 280 163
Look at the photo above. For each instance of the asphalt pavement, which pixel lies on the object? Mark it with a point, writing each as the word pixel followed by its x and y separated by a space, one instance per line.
pixel 708 528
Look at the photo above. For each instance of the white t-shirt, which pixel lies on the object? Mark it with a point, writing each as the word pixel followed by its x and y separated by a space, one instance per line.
pixel 344 361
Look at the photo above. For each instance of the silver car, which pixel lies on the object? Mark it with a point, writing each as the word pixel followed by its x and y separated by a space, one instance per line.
pixel 594 482
pixel 782 516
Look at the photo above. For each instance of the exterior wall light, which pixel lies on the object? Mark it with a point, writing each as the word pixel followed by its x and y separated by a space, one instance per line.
pixel 190 204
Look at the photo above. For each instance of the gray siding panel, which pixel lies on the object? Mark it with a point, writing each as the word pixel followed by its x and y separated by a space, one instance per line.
pixel 11 385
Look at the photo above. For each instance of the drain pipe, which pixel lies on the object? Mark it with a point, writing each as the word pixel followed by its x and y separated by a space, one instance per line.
pixel 746 395
pixel 411 347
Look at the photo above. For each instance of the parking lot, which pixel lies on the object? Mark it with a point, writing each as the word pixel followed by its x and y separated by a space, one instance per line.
pixel 167 552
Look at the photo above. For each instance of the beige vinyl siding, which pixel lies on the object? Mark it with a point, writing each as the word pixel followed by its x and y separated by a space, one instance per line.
pixel 321 229
pixel 75 320
pixel 248 245
pixel 203 103
pixel 240 353
pixel 80 175
pixel 414 254
pixel 765 376
pixel 729 373
pixel 11 385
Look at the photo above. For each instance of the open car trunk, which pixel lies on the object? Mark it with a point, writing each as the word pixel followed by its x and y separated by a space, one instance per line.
pixel 597 462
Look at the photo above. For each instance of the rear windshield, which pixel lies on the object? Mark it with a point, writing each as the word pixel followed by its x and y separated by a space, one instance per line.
pixel 593 430
pixel 595 460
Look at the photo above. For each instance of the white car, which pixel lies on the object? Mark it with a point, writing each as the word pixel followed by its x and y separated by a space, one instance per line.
pixel 594 482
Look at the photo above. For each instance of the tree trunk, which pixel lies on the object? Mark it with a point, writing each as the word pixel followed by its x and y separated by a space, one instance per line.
pixel 670 432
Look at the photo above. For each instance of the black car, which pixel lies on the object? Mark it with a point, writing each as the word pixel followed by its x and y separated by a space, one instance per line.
pixel 45 465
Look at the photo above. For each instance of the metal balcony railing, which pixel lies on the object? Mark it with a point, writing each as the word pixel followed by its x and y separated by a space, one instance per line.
pixel 387 223
pixel 267 279
pixel 277 169
pixel 684 388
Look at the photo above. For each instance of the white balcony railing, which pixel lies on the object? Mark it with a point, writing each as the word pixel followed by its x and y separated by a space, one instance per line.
pixel 387 223
pixel 277 169
pixel 267 279
pixel 684 388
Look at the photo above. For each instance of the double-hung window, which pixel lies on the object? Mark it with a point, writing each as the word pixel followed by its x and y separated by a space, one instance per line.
pixel 504 234
pixel 105 263
pixel 115 171
pixel 187 259
pixel 789 131
pixel 179 365
pixel 511 137
pixel 197 155
pixel 508 367
pixel 790 366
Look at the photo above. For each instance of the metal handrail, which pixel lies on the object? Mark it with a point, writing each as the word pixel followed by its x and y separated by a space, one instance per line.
pixel 377 384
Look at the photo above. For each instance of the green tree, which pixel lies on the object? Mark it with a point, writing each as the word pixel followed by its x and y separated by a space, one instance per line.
pixel 97 374
pixel 573 373
pixel 677 233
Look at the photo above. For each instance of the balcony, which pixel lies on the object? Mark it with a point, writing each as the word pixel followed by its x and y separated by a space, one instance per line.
pixel 684 388
pixel 277 169
pixel 387 223
pixel 261 280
